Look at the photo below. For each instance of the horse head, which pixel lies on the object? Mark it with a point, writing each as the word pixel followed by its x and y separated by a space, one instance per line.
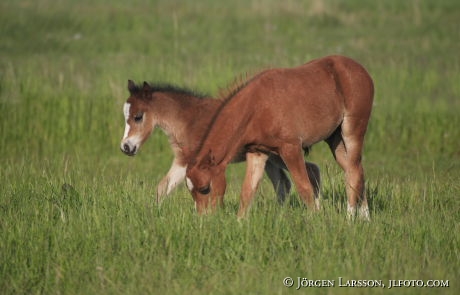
pixel 206 182
pixel 139 123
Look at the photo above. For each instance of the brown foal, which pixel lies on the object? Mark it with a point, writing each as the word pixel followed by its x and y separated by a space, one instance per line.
pixel 285 111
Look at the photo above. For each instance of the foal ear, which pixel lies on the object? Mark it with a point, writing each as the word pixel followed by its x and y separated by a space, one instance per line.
pixel 210 158
pixel 131 86
pixel 146 89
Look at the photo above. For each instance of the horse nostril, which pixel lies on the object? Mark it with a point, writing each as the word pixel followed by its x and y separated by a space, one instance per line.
pixel 126 148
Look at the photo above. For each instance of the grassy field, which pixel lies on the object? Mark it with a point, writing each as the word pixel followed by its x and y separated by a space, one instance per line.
pixel 79 217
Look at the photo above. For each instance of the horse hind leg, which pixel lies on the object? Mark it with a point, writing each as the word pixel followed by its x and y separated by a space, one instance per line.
pixel 346 144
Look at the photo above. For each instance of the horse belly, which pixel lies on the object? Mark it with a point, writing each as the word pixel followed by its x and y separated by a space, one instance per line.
pixel 316 128
pixel 317 131
pixel 292 127
pixel 312 119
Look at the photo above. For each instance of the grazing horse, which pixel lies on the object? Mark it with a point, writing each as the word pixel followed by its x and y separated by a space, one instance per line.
pixel 284 112
pixel 185 116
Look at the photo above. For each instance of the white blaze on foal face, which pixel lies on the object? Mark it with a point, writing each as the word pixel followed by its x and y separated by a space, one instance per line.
pixel 127 145
pixel 126 108
pixel 136 129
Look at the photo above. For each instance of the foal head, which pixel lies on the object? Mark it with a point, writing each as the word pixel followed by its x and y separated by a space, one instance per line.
pixel 139 122
pixel 206 182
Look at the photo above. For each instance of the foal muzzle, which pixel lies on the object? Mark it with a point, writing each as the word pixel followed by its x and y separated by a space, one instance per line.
pixel 128 149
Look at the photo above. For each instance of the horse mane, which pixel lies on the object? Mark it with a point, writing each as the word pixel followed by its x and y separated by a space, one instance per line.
pixel 226 95
pixel 166 87
pixel 240 82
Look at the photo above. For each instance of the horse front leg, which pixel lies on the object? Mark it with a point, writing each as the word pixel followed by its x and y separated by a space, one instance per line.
pixel 173 178
pixel 255 164
pixel 292 155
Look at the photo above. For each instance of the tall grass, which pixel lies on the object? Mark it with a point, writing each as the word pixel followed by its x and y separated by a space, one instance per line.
pixel 78 217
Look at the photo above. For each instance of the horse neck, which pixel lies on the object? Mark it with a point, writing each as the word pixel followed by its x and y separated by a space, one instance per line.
pixel 226 135
pixel 176 113
pixel 230 128
pixel 170 111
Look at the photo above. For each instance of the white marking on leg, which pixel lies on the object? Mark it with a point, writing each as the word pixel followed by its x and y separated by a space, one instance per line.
pixel 317 203
pixel 175 176
pixel 255 164
pixel 364 212
pixel 258 170
pixel 351 211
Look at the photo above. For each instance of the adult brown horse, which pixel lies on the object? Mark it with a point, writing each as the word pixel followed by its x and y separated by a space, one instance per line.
pixel 184 116
pixel 286 111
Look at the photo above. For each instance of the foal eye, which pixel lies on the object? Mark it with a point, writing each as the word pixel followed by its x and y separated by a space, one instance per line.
pixel 138 118
pixel 205 190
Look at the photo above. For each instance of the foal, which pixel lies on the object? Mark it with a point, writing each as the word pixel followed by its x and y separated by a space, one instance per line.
pixel 185 116
pixel 284 112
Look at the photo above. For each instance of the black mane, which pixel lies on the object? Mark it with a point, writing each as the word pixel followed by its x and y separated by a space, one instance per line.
pixel 166 87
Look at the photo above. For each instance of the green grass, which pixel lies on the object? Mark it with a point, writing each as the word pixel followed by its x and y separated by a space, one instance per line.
pixel 78 217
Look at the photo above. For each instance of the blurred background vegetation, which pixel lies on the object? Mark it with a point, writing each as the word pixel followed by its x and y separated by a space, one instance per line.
pixel 64 64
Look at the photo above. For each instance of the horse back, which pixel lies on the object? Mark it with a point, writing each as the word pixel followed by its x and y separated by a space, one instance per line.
pixel 310 100
pixel 326 85
pixel 353 82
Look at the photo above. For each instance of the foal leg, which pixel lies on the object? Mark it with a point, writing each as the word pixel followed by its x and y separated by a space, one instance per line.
pixel 279 179
pixel 254 172
pixel 347 150
pixel 314 177
pixel 174 177
pixel 292 155
pixel 275 169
